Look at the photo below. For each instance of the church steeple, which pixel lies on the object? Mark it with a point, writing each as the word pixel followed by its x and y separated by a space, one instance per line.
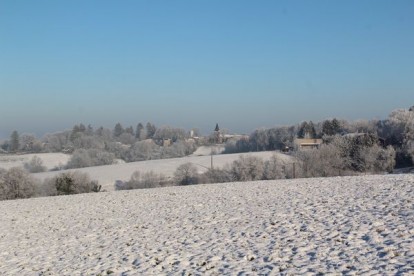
pixel 217 135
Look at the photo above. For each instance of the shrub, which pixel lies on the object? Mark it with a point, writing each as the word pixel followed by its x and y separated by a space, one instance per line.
pixel 186 174
pixel 75 182
pixel 16 183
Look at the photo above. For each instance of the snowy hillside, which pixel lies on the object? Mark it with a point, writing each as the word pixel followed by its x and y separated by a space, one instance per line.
pixel 350 225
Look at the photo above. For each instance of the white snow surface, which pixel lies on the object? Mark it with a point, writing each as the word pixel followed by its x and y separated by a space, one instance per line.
pixel 107 175
pixel 208 150
pixel 345 225
pixel 50 160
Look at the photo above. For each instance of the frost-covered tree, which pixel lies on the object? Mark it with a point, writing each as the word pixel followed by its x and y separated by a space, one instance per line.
pixel 14 142
pixel 140 132
pixel 307 130
pixel 90 157
pixel 127 138
pixel 331 127
pixel 29 143
pixel 151 129
pixel 118 130
pixel 377 159
pixel 259 140
pixel 409 134
pixel 57 142
pixel 75 182
pixel 247 168
pixel 363 126
pixel 328 160
pixel 395 131
pixel 394 128
pixel 166 132
pixel 274 168
pixel 16 183
pixel 142 150
pixel 186 174
pixel 345 155
pixel 84 141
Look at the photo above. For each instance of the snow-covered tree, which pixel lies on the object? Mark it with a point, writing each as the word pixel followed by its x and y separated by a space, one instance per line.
pixel 118 130
pixel 16 183
pixel 14 141
pixel 186 174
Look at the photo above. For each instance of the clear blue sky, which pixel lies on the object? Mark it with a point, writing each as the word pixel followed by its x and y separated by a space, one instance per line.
pixel 243 64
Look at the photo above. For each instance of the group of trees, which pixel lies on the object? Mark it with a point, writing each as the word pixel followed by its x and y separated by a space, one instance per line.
pixel 346 155
pixel 22 143
pixel 396 131
pixel 263 140
pixel 17 183
pixel 102 146
pixel 350 146
pixel 246 168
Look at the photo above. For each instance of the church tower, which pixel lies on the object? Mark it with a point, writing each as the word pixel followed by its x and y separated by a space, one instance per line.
pixel 217 135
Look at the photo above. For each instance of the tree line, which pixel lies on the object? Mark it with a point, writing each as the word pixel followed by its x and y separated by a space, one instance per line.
pixel 393 133
pixel 102 146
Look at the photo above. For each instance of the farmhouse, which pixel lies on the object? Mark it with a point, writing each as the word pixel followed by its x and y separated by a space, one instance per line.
pixel 308 143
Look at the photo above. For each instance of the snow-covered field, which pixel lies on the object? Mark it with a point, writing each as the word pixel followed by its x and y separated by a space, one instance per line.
pixel 107 175
pixel 50 160
pixel 344 225
pixel 207 150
